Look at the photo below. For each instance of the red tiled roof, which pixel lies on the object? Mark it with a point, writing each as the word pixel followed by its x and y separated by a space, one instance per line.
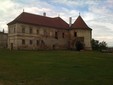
pixel 40 20
pixel 79 24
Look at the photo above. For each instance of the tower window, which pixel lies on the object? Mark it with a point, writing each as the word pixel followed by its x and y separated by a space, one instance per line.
pixel 75 34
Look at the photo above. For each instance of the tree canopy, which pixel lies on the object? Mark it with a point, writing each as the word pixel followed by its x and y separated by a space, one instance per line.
pixel 96 45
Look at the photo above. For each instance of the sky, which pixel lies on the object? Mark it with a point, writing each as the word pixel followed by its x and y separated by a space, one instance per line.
pixel 98 14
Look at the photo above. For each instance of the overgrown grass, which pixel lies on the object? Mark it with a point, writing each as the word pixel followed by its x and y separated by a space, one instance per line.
pixel 55 68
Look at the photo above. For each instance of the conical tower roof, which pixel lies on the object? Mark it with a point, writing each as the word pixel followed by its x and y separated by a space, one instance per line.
pixel 79 24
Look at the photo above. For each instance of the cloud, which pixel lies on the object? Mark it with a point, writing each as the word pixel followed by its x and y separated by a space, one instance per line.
pixel 5 11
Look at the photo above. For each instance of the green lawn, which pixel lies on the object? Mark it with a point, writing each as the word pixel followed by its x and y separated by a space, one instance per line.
pixel 55 68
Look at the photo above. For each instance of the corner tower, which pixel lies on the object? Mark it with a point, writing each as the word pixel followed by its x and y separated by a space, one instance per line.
pixel 80 33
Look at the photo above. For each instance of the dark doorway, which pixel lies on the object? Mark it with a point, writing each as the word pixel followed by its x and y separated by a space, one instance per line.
pixel 79 46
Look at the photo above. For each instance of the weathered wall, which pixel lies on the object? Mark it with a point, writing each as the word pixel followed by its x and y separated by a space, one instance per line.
pixel 45 36
pixel 86 34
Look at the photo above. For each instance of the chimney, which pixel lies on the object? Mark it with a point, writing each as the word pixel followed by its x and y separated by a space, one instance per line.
pixel 44 14
pixel 70 21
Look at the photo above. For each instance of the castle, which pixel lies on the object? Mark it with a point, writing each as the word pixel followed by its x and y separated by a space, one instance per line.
pixel 35 32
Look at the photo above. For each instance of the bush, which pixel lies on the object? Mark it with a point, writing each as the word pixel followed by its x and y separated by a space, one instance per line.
pixel 96 45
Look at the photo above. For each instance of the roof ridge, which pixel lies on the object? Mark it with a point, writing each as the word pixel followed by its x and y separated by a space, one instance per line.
pixel 35 19
pixel 37 15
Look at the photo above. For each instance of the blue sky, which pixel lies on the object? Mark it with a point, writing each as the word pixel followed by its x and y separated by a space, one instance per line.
pixel 98 14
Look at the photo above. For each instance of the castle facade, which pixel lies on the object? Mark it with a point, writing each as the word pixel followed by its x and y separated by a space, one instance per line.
pixel 35 32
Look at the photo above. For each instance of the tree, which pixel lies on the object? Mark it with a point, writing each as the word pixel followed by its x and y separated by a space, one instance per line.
pixel 96 45
pixel 103 45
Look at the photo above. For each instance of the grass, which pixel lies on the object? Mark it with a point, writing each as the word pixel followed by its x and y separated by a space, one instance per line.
pixel 55 68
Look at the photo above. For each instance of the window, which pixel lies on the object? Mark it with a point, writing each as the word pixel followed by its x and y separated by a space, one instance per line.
pixel 56 35
pixel 30 31
pixel 62 35
pixel 14 30
pixel 23 42
pixel 37 31
pixel 23 29
pixel 75 34
pixel 30 42
pixel 37 42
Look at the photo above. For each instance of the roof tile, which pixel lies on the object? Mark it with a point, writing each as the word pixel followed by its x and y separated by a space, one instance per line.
pixel 79 24
pixel 40 20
